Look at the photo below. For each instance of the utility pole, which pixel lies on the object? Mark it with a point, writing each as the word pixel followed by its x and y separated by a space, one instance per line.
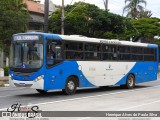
pixel 105 4
pixel 62 18
pixel 46 14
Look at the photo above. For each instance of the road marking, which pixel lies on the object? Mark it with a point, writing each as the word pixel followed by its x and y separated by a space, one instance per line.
pixel 114 93
pixel 139 105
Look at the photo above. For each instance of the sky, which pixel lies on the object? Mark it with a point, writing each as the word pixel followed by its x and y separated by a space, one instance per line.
pixel 115 6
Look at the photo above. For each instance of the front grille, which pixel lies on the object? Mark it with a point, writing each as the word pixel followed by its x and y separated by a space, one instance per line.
pixel 23 85
pixel 23 74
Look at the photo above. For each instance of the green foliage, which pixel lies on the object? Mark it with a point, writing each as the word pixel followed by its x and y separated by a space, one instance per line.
pixel 154 41
pixel 88 20
pixel 110 35
pixel 147 27
pixel 6 70
pixel 13 19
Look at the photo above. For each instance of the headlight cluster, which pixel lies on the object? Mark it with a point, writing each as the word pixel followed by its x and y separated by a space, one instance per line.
pixel 39 77
pixel 11 76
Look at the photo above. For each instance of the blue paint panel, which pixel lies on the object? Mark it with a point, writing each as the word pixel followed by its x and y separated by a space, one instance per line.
pixel 143 71
pixel 61 72
pixel 152 46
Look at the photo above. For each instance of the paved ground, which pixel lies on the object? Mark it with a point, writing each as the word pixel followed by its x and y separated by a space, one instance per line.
pixel 4 81
pixel 145 97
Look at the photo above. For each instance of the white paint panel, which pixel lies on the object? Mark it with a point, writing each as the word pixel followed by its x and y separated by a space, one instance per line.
pixel 38 84
pixel 35 84
pixel 105 73
pixel 104 41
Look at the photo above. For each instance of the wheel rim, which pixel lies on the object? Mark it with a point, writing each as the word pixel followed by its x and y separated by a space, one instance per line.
pixel 130 81
pixel 71 85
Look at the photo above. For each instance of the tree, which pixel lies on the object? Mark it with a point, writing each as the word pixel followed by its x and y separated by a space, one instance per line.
pixel 89 20
pixel 105 4
pixel 19 5
pixel 147 28
pixel 134 7
pixel 145 14
pixel 13 19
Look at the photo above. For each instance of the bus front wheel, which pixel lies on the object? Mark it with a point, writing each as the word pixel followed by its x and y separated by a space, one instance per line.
pixel 71 86
pixel 130 83
pixel 41 91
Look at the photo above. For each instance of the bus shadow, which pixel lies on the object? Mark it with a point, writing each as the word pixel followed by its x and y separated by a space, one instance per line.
pixel 82 91
pixel 108 89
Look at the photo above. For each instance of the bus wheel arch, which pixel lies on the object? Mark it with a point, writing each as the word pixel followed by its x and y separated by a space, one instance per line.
pixel 76 80
pixel 71 85
pixel 130 81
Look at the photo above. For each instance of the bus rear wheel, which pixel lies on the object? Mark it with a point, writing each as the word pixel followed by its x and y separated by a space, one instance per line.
pixel 41 91
pixel 70 87
pixel 130 83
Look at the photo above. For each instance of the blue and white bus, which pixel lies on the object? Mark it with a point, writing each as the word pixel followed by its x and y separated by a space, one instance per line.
pixel 49 61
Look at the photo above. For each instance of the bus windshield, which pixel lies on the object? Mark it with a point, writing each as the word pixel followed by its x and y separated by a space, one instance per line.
pixel 26 55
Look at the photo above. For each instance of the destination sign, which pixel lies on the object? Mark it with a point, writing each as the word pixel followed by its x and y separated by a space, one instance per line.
pixel 25 37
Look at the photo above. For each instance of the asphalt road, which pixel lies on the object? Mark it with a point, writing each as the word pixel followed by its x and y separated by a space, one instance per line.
pixel 145 97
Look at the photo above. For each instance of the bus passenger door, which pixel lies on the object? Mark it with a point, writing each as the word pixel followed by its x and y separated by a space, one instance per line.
pixel 53 60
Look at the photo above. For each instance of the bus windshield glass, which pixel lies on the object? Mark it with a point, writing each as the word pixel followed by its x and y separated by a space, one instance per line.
pixel 26 55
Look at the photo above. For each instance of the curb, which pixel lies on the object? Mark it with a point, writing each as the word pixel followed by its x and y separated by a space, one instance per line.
pixel 6 85
pixel 4 81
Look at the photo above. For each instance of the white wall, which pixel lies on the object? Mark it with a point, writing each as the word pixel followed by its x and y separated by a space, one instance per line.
pixel 1 58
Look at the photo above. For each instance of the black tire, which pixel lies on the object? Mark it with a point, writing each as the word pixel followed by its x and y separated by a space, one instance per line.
pixel 130 82
pixel 71 86
pixel 123 86
pixel 41 91
pixel 104 87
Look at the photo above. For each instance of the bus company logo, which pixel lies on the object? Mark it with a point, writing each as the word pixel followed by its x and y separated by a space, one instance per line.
pixel 109 67
pixel 19 111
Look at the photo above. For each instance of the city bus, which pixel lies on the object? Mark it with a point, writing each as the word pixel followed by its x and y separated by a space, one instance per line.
pixel 46 61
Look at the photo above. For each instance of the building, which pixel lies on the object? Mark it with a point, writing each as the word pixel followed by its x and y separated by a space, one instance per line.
pixel 36 10
pixel 36 22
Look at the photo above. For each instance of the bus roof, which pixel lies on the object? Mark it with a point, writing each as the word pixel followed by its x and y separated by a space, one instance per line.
pixel 92 40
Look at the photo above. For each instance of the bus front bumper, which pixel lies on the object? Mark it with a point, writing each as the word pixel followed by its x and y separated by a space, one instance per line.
pixel 32 84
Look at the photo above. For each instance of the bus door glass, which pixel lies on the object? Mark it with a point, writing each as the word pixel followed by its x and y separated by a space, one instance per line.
pixel 54 52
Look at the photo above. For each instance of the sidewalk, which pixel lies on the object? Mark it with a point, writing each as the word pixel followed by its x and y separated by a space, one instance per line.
pixel 4 81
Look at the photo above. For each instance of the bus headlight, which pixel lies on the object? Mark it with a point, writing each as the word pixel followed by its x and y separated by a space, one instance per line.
pixel 39 77
pixel 9 76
